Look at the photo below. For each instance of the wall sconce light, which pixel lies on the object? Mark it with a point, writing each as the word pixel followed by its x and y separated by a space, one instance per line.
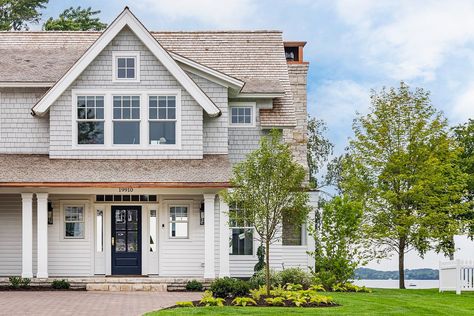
pixel 201 214
pixel 50 213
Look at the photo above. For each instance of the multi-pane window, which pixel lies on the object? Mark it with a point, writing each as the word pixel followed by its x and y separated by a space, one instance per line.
pixel 162 119
pixel 292 234
pixel 90 120
pixel 241 233
pixel 178 222
pixel 126 67
pixel 74 222
pixel 241 115
pixel 126 120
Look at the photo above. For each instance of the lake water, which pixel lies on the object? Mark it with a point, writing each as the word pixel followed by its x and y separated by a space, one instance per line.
pixel 393 284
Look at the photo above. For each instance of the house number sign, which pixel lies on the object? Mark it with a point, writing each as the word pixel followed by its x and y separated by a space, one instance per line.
pixel 128 190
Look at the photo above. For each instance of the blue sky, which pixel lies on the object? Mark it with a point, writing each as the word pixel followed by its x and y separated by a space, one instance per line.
pixel 353 46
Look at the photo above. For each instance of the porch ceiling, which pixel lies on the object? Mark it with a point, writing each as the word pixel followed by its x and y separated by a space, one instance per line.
pixel 39 170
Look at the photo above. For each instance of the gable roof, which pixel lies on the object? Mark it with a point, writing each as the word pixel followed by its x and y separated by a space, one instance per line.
pixel 126 18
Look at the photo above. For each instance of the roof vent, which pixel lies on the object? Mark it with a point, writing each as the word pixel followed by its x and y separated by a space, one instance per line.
pixel 294 52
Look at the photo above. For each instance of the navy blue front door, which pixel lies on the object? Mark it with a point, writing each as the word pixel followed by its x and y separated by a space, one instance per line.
pixel 126 240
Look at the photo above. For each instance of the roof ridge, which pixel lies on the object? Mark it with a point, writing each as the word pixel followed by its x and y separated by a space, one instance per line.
pixel 153 32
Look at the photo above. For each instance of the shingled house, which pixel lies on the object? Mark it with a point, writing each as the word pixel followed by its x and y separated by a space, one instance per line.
pixel 115 144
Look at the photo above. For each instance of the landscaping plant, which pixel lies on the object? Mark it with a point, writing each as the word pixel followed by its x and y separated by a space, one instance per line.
pixel 60 284
pixel 194 286
pixel 229 287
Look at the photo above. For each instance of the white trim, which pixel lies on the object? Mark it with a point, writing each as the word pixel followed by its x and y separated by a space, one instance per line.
pixel 27 235
pixel 209 238
pixel 224 256
pixel 128 54
pixel 126 18
pixel 252 105
pixel 42 234
pixel 168 213
pixel 20 84
pixel 208 73
pixel 108 118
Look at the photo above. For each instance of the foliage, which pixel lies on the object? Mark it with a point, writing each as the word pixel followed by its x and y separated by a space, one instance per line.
pixel 257 293
pixel 317 287
pixel 402 166
pixel 260 265
pixel 293 287
pixel 259 279
pixel 267 185
pixel 229 287
pixel 194 285
pixel 16 14
pixel 321 299
pixel 208 299
pixel 75 19
pixel 185 304
pixel 60 284
pixel 278 291
pixel 319 149
pixel 17 282
pixel 350 287
pixel 275 301
pixel 243 301
pixel 296 276
pixel 339 242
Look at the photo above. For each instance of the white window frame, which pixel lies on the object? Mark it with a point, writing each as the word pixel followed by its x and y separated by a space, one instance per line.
pixel 139 120
pixel 177 120
pixel 169 206
pixel 64 222
pixel 108 117
pixel 252 105
pixel 125 54
pixel 231 228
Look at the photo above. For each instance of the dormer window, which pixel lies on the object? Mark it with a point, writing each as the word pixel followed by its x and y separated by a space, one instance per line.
pixel 126 66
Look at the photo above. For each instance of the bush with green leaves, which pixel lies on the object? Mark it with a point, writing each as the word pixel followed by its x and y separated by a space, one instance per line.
pixel 185 304
pixel 350 287
pixel 194 286
pixel 208 299
pixel 60 284
pixel 229 287
pixel 243 301
pixel 275 301
pixel 259 279
pixel 295 276
pixel 260 265
pixel 17 281
pixel 257 293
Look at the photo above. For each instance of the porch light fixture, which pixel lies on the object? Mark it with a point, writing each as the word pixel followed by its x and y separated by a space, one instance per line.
pixel 201 214
pixel 50 213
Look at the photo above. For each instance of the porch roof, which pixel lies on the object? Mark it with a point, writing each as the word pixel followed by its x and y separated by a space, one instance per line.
pixel 40 171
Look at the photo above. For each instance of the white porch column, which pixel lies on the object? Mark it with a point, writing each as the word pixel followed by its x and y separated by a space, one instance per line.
pixel 27 235
pixel 310 242
pixel 42 227
pixel 209 257
pixel 224 239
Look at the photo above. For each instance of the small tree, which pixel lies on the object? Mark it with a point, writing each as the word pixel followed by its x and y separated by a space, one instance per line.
pixel 16 14
pixel 75 20
pixel 319 149
pixel 267 185
pixel 339 241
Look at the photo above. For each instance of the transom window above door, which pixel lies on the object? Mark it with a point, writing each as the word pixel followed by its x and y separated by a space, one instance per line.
pixel 126 66
pixel 123 119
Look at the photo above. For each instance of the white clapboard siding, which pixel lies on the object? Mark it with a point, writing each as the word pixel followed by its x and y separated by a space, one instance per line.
pixel 295 257
pixel 10 235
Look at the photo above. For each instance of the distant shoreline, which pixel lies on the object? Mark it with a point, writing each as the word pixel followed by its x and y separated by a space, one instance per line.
pixel 410 274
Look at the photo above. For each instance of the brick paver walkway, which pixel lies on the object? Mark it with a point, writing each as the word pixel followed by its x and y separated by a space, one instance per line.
pixel 88 303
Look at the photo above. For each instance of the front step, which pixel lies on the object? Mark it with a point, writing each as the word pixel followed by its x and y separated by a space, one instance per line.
pixel 127 287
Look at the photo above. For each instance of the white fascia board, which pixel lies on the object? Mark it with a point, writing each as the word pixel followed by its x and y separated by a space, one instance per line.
pixel 126 18
pixel 223 79
pixel 25 84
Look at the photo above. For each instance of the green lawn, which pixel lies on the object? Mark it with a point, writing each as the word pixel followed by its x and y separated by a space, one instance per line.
pixel 380 302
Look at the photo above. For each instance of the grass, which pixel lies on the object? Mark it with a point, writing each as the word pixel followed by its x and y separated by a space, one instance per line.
pixel 380 302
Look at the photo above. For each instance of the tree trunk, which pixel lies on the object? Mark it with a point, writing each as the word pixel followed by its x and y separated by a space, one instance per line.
pixel 401 263
pixel 267 265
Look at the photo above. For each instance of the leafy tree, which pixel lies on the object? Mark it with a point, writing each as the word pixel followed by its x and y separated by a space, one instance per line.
pixel 319 149
pixel 339 241
pixel 403 167
pixel 15 14
pixel 75 20
pixel 267 186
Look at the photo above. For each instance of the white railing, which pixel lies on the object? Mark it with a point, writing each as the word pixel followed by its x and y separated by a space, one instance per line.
pixel 456 275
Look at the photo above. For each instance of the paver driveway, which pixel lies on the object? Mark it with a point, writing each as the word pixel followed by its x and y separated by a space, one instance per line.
pixel 88 303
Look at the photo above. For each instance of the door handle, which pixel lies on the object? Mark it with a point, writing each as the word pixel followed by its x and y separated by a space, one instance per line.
pixel 113 241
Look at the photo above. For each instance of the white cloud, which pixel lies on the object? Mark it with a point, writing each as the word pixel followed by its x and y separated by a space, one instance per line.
pixel 463 108
pixel 219 13
pixel 408 39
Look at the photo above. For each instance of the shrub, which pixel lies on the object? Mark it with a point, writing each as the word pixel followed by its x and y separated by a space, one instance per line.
pixel 259 279
pixel 60 284
pixel 185 304
pixel 298 301
pixel 229 287
pixel 293 287
pixel 295 276
pixel 321 299
pixel 17 282
pixel 243 301
pixel 275 301
pixel 209 300
pixel 194 285
pixel 261 259
pixel 349 287
pixel 257 293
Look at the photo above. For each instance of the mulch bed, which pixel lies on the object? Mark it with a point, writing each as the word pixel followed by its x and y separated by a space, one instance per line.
pixel 34 288
pixel 261 303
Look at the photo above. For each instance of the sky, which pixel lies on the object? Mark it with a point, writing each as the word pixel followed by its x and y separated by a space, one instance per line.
pixel 353 46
